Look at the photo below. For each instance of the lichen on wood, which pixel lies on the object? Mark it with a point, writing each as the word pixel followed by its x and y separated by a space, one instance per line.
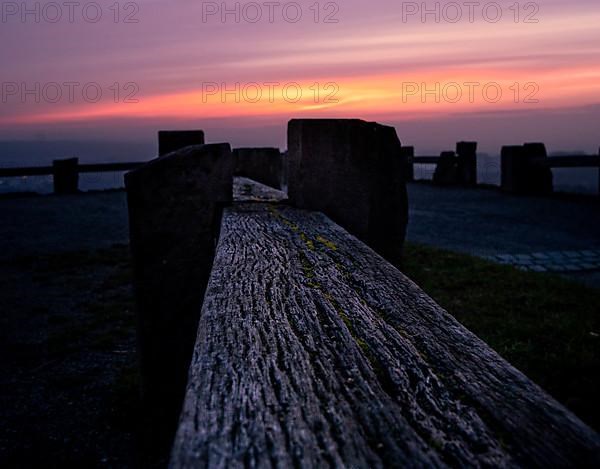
pixel 309 356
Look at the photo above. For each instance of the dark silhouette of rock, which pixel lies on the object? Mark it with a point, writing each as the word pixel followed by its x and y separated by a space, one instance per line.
pixel 353 171
pixel 264 165
pixel 174 210
pixel 171 140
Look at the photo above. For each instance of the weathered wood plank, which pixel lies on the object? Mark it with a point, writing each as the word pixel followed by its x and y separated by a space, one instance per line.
pixel 108 167
pixel 354 172
pixel 175 204
pixel 264 164
pixel 249 190
pixel 426 159
pixel 314 351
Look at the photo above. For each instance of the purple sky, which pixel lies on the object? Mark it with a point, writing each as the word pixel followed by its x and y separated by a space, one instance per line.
pixel 371 53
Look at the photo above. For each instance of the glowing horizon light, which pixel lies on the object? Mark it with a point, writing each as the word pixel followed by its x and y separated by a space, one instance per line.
pixel 369 56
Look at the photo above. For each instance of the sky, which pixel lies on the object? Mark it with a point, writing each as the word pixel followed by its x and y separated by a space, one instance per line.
pixel 496 72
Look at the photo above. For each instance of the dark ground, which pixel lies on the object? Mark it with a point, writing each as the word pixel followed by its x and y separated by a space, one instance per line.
pixel 546 326
pixel 68 387
pixel 67 336
pixel 474 221
pixel 67 354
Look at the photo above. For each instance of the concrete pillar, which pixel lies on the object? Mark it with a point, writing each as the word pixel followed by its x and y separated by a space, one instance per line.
pixel 175 203
pixel 408 153
pixel 466 153
pixel 264 165
pixel 446 170
pixel 352 171
pixel 66 176
pixel 171 140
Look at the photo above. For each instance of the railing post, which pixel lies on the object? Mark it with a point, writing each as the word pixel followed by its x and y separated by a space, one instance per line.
pixel 352 171
pixel 511 164
pixel 66 176
pixel 286 170
pixel 171 140
pixel 446 170
pixel 264 165
pixel 524 170
pixel 408 155
pixel 174 211
pixel 466 153
pixel 539 173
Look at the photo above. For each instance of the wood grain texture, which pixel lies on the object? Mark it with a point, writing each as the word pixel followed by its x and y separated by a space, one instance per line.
pixel 248 190
pixel 313 351
pixel 262 164
pixel 175 204
pixel 354 172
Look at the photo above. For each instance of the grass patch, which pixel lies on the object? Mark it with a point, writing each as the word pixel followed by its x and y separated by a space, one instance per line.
pixel 106 316
pixel 544 325
pixel 67 262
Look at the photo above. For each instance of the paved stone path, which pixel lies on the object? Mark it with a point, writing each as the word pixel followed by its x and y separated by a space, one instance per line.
pixel 534 233
pixel 553 261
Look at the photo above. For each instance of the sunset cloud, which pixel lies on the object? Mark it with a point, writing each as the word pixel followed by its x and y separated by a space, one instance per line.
pixel 370 54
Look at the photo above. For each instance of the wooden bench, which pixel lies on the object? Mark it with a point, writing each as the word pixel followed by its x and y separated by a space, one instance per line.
pixel 314 351
pixel 311 349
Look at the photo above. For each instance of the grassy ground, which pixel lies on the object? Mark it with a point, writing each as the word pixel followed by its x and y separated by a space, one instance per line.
pixel 69 384
pixel 67 351
pixel 546 326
